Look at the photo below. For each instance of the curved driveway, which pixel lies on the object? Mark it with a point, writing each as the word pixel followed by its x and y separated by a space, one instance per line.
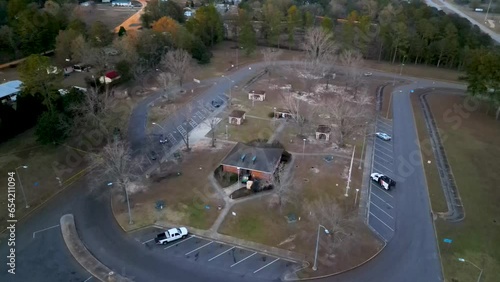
pixel 410 256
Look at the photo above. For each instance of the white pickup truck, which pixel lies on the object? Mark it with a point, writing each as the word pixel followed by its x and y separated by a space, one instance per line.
pixel 383 180
pixel 171 235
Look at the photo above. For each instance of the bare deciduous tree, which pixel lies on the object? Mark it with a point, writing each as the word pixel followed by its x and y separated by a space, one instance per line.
pixel 114 164
pixel 166 79
pixel 270 55
pixel 348 117
pixel 285 189
pixel 212 122
pixel 94 112
pixel 97 57
pixel 300 112
pixel 353 60
pixel 186 114
pixel 178 63
pixel 340 224
pixel 319 46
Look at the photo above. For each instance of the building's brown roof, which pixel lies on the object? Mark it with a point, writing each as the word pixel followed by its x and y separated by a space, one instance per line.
pixel 324 129
pixel 283 110
pixel 259 92
pixel 253 158
pixel 237 114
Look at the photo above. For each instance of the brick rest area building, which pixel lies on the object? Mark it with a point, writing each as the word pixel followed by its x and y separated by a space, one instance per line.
pixel 253 161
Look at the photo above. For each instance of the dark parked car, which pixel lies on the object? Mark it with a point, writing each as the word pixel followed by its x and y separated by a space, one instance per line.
pixel 217 103
pixel 153 155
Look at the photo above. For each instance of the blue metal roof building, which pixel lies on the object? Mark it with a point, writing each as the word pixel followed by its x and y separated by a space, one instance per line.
pixel 10 88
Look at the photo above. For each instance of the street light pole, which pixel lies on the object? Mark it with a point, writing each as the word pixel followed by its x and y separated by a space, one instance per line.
pixel 238 175
pixel 350 171
pixel 362 149
pixel 154 123
pixel 304 148
pixel 21 184
pixel 480 269
pixel 315 267
pixel 227 136
pixel 487 11
pixel 231 86
pixel 128 204
pixel 356 197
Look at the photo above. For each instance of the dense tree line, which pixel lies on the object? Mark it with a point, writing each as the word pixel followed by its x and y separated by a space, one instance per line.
pixel 28 26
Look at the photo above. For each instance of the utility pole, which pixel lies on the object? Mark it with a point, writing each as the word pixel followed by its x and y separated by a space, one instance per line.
pixel 350 171
pixel 21 185
pixel 315 267
pixel 487 11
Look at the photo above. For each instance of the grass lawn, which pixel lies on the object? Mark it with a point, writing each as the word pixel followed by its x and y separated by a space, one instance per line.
pixel 45 163
pixel 185 196
pixel 251 129
pixel 472 149
pixel 415 70
pixel 256 220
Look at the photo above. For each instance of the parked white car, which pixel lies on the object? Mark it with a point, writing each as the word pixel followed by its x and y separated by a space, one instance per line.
pixel 368 74
pixel 383 136
pixel 384 181
pixel 171 235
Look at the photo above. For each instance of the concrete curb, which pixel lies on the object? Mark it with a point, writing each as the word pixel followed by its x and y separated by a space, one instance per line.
pixel 456 210
pixel 82 254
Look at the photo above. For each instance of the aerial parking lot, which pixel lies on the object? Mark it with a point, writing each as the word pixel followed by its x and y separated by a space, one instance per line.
pixel 227 257
pixel 381 215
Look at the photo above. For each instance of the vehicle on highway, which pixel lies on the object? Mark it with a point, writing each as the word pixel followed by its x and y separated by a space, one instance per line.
pixel 384 181
pixel 171 235
pixel 383 136
pixel 217 103
pixel 368 74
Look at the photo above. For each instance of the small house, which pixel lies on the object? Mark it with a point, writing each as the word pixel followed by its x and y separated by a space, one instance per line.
pixel 109 77
pixel 236 117
pixel 252 162
pixel 282 113
pixel 257 95
pixel 323 132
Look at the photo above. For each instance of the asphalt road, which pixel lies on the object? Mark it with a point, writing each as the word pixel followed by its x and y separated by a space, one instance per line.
pixel 446 7
pixel 410 256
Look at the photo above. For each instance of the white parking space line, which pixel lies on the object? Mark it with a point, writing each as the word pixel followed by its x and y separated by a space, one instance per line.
pixel 199 248
pixel 220 254
pixel 147 241
pixel 382 210
pixel 378 163
pixel 382 222
pixel 266 265
pixel 384 122
pixel 382 200
pixel 34 233
pixel 386 193
pixel 379 151
pixel 243 259
pixel 182 241
pixel 384 144
pixel 88 278
pixel 386 160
